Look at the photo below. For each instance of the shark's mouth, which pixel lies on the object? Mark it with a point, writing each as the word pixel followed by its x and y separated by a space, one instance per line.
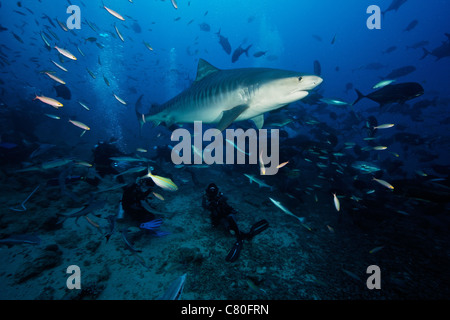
pixel 299 91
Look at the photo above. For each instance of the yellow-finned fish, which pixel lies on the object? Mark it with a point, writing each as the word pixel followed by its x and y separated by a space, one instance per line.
pixel 174 3
pixel 162 182
pixel 55 78
pixel 114 13
pixel 384 126
pixel 395 154
pixel 281 165
pixel 160 197
pixel 384 183
pixel 79 125
pixel 50 101
pixel 149 47
pixel 379 148
pixel 261 164
pixel 421 173
pixel 83 164
pixel 66 53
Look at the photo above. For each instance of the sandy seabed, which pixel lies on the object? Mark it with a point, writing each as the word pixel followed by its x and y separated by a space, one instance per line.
pixel 285 262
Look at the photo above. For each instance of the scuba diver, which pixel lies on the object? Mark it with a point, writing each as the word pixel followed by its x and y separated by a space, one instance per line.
pixel 134 196
pixel 135 207
pixel 223 214
pixel 370 126
pixel 102 152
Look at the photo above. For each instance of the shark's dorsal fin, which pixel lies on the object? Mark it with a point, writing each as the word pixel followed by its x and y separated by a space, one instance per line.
pixel 204 68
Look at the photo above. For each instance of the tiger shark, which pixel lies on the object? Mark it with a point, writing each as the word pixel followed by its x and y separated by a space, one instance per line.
pixel 224 96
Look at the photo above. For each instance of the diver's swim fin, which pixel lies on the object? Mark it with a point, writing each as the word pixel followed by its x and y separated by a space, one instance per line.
pixel 257 228
pixel 235 251
pixel 233 255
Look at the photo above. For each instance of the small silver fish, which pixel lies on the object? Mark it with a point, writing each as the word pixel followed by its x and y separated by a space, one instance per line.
pixel 175 289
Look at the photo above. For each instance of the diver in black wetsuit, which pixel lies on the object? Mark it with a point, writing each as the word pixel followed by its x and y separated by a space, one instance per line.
pixel 223 214
pixel 102 153
pixel 132 198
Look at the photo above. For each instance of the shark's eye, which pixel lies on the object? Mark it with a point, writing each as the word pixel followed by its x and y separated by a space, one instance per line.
pixel 299 79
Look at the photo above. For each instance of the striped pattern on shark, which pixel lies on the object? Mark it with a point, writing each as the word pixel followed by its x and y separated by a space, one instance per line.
pixel 224 96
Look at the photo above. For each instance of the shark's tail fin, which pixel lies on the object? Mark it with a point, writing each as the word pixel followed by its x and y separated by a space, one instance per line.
pixel 140 116
pixel 360 96
pixel 144 118
pixel 246 50
pixel 425 53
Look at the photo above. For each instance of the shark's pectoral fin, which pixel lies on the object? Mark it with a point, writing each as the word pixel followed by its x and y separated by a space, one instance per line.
pixel 168 123
pixel 230 115
pixel 149 118
pixel 258 121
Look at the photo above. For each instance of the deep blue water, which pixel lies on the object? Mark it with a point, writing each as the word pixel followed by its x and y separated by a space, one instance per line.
pixel 286 31
pixel 294 33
